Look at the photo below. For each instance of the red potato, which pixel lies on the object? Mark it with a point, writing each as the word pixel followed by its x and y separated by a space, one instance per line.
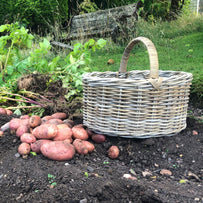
pixel 25 122
pixel 24 117
pixel 27 138
pixel 58 150
pixel 46 118
pixel 80 133
pixel 3 111
pixel 36 146
pixel 34 121
pixel 14 124
pixel 55 121
pixel 80 147
pixel 89 146
pixel 24 148
pixel 21 130
pixel 64 132
pixel 45 131
pixel 59 115
pixel 98 138
pixel 9 112
pixel 70 140
pixel 113 152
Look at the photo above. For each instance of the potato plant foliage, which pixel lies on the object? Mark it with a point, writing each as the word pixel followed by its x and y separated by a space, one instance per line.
pixel 16 40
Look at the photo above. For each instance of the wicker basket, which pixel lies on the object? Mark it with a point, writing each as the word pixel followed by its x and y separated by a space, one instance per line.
pixel 136 104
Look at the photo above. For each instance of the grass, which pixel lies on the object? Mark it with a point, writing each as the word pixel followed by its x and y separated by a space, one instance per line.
pixel 179 45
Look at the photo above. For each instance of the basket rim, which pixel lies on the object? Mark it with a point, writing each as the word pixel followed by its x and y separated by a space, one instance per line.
pixel 99 76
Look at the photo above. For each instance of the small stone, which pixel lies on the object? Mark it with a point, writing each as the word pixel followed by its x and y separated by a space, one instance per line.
pixel 128 176
pixel 146 173
pixel 51 186
pixel 194 132
pixel 83 200
pixel 156 165
pixel 67 164
pixel 17 155
pixel 156 191
pixel 197 199
pixel 165 172
pixel 90 169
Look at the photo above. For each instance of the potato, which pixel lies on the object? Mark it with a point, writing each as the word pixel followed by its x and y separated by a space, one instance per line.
pixel 79 133
pixel 9 112
pixel 98 138
pixel 45 131
pixel 21 130
pixel 59 115
pixel 113 152
pixel 14 124
pixel 70 140
pixel 24 117
pixel 24 148
pixel 27 138
pixel 36 146
pixel 34 121
pixel 80 147
pixel 58 150
pixel 64 132
pixel 69 122
pixel 46 118
pixel 3 111
pixel 25 122
pixel 55 121
pixel 89 146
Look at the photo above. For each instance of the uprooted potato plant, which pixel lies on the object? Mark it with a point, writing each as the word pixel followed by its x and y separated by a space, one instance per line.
pixel 31 77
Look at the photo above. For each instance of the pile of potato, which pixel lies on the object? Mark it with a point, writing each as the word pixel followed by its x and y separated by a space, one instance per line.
pixel 55 136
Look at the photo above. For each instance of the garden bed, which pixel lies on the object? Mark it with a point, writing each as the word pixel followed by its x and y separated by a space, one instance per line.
pixel 96 178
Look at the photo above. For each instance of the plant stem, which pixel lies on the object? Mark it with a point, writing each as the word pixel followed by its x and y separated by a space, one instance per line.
pixel 24 107
pixel 20 100
pixel 9 50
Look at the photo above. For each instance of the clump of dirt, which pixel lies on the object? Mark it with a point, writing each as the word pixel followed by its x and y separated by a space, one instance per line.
pixel 52 94
pixel 137 175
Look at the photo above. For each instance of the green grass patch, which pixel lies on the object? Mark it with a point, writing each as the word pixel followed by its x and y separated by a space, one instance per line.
pixel 179 45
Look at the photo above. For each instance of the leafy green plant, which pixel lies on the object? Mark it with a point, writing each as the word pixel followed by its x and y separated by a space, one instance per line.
pixel 77 63
pixel 68 69
pixel 14 39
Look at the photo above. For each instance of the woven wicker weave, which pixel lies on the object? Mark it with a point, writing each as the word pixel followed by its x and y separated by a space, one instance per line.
pixel 136 104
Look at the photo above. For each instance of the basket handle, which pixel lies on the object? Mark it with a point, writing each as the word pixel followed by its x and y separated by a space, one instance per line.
pixel 153 57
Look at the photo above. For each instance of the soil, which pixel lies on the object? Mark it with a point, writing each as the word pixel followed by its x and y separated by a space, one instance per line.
pixel 135 176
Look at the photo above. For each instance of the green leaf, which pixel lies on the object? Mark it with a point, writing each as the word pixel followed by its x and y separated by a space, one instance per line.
pixel 101 43
pixel 10 70
pixel 33 153
pixel 17 112
pixel 72 60
pixel 4 27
